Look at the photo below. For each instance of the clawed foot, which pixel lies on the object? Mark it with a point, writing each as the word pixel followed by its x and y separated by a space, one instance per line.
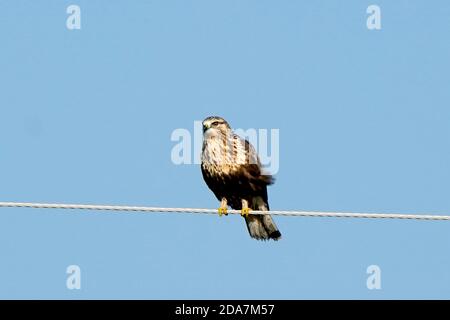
pixel 223 207
pixel 222 211
pixel 245 212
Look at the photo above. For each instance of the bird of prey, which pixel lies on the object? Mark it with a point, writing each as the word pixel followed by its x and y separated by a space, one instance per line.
pixel 232 170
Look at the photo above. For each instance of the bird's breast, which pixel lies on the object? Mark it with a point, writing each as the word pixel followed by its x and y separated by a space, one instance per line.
pixel 217 158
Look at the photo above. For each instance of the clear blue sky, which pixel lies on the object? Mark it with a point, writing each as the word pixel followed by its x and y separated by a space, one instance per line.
pixel 86 117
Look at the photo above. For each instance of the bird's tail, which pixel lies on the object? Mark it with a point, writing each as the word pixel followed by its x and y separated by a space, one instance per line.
pixel 262 227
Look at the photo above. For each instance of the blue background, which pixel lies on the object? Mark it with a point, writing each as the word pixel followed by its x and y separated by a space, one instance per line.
pixel 86 117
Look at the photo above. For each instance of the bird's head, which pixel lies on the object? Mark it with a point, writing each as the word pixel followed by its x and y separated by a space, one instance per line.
pixel 216 124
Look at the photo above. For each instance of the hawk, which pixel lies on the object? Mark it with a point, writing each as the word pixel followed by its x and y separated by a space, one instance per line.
pixel 232 170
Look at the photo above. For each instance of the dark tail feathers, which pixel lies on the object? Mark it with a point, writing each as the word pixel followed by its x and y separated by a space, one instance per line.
pixel 262 227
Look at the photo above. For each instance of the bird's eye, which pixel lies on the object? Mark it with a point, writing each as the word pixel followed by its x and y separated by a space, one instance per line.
pixel 215 123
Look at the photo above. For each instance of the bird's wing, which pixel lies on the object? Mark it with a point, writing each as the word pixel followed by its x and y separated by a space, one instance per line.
pixel 249 164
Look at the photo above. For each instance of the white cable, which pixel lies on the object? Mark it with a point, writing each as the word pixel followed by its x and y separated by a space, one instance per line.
pixel 214 211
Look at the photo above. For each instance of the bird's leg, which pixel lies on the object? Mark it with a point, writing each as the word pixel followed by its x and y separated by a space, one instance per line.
pixel 223 207
pixel 245 210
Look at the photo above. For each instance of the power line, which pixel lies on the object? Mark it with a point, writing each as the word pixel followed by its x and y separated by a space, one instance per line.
pixel 214 211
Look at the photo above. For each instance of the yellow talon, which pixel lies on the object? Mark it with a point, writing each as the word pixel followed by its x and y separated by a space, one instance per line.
pixel 245 212
pixel 223 211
